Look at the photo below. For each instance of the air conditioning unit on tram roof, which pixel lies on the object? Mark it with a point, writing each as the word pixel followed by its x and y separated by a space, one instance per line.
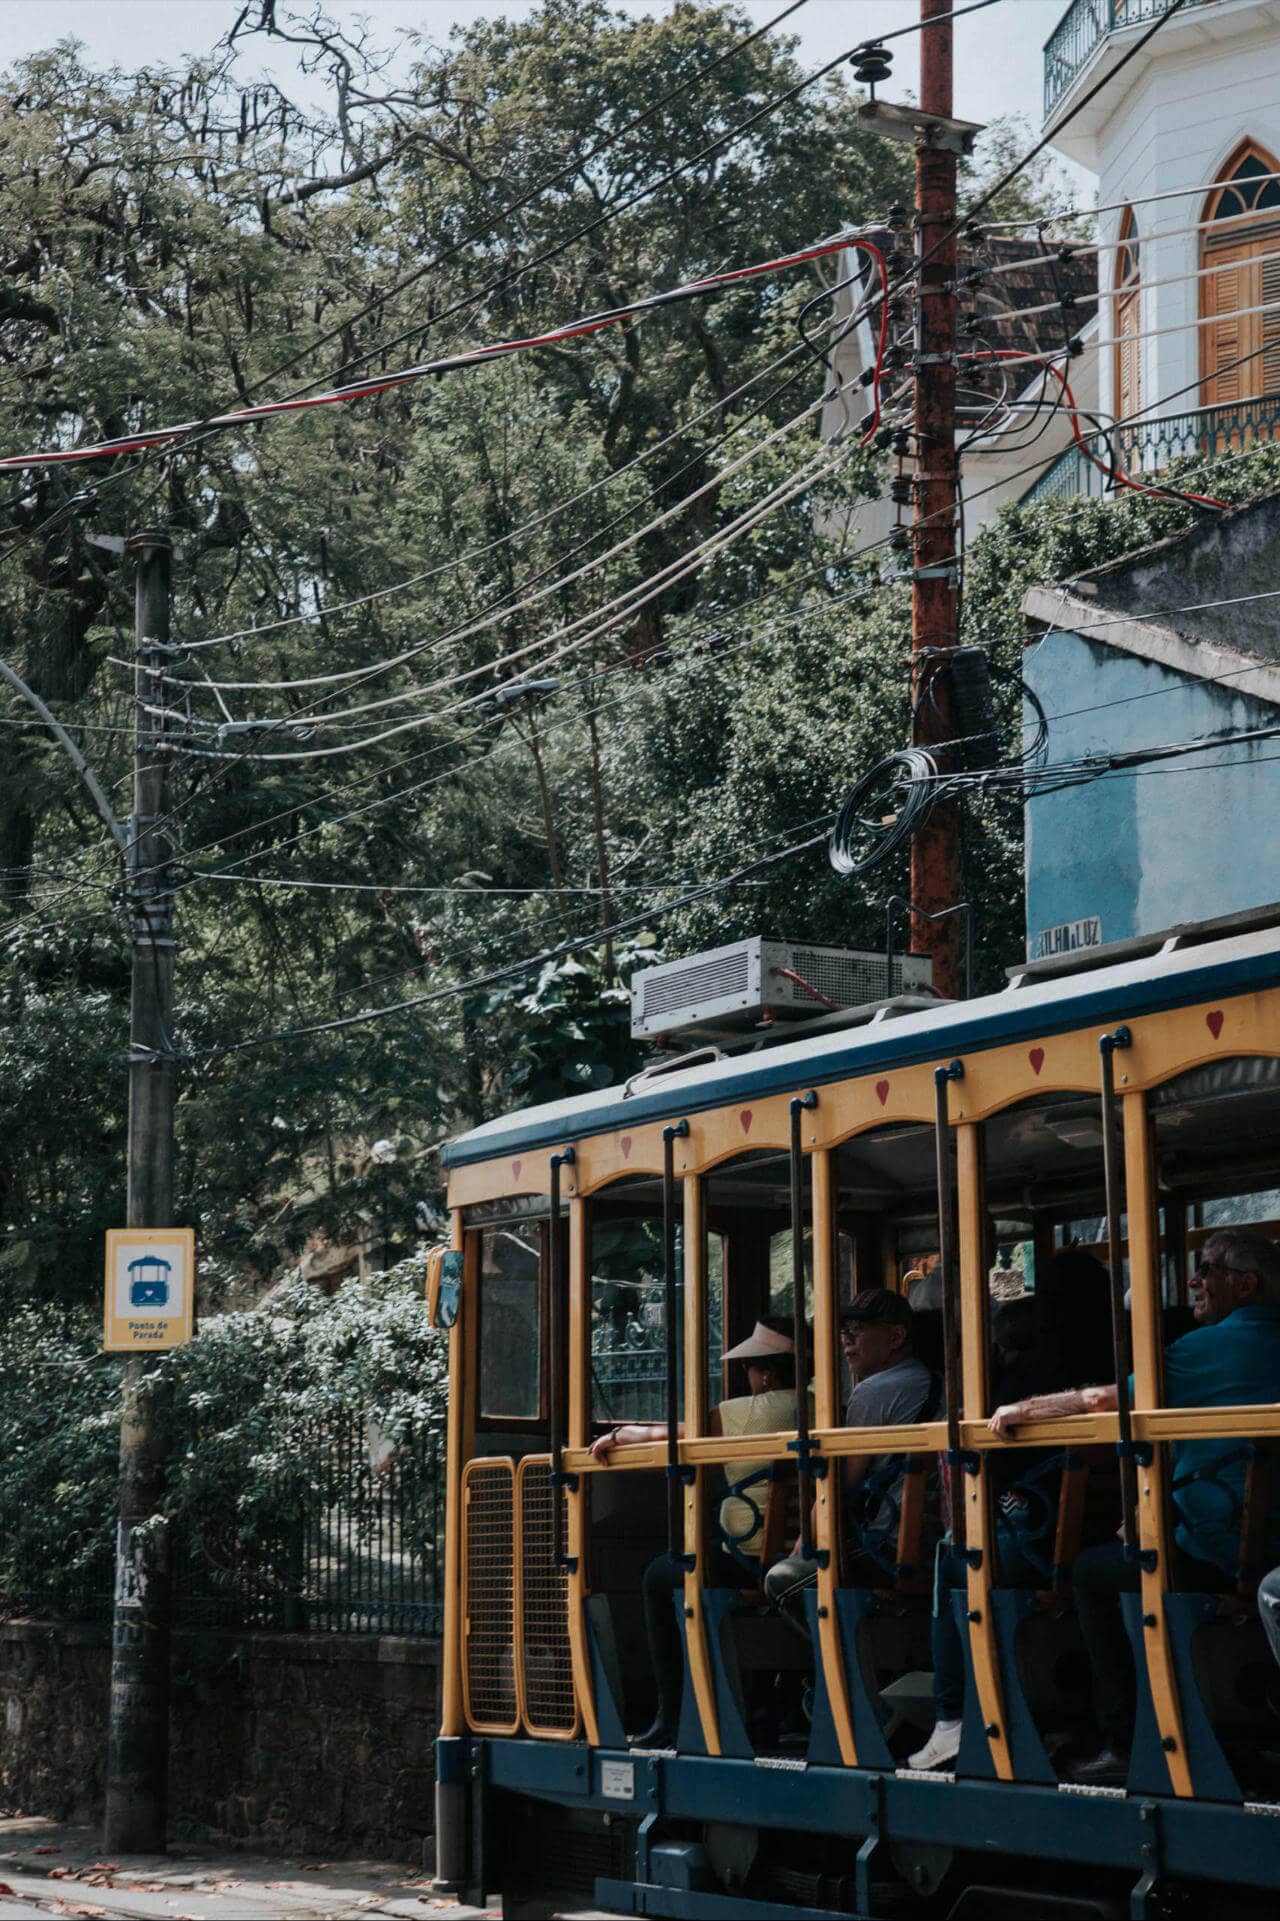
pixel 757 982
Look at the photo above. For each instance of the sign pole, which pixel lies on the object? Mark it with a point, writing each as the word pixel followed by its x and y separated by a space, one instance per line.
pixel 138 1745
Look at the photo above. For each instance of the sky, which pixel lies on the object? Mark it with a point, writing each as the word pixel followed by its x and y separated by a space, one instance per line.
pixel 998 53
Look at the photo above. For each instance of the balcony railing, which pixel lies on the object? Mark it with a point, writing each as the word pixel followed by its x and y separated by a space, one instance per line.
pixel 1082 28
pixel 1145 449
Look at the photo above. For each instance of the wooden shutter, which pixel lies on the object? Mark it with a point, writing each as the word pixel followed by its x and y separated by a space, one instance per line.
pixel 1269 290
pixel 1128 352
pixel 1232 333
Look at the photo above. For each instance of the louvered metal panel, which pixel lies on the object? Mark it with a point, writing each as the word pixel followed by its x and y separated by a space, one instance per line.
pixel 489 1597
pixel 544 1662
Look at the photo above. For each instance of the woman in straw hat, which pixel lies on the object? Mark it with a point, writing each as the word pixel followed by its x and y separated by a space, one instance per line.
pixel 768 1407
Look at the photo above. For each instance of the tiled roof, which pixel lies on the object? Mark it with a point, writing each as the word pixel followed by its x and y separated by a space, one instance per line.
pixel 1040 276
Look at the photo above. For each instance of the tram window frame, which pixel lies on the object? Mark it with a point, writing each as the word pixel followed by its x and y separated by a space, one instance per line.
pixel 491 1423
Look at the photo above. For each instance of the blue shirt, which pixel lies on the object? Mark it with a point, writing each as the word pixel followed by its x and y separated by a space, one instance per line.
pixel 1232 1363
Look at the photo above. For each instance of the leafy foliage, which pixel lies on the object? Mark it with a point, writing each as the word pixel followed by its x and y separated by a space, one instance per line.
pixel 248 1410
pixel 177 239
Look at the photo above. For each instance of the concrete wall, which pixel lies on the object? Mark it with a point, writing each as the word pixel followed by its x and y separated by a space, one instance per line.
pixel 1180 840
pixel 315 1744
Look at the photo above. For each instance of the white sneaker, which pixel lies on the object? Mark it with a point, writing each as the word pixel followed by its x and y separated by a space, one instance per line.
pixel 942 1746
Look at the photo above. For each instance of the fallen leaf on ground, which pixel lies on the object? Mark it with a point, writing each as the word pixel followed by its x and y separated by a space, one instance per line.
pixel 103 1867
pixel 220 1887
pixel 310 1867
pixel 5 1888
pixel 85 1908
pixel 46 1850
pixel 59 1874
pixel 279 1884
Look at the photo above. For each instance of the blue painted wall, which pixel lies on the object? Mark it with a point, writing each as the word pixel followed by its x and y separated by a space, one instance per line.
pixel 1175 841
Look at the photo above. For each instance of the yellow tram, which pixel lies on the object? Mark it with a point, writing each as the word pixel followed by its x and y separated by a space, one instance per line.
pixel 1128 1100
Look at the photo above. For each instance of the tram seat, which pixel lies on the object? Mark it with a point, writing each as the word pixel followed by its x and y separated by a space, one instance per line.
pixel 1255 1557
pixel 1234 1670
pixel 1088 1513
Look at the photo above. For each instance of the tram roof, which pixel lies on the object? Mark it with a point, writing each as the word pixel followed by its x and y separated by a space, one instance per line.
pixel 1029 1008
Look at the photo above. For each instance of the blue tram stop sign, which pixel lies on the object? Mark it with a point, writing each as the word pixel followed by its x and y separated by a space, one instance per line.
pixel 149 1281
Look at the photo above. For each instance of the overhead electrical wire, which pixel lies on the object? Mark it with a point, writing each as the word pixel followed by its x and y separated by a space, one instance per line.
pixel 507 610
pixel 450 363
pixel 704 153
pixel 330 609
pixel 530 964
pixel 1027 158
pixel 1134 200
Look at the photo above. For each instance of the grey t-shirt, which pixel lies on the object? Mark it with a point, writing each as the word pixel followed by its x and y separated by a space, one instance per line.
pixel 890 1398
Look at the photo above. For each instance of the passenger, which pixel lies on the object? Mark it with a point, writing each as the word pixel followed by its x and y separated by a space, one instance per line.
pixel 1033 1340
pixel 892 1388
pixel 1230 1359
pixel 768 1407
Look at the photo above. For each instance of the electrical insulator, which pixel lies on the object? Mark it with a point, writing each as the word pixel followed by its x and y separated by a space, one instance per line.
pixel 885 437
pixel 896 218
pixel 974 233
pixel 901 442
pixel 900 490
pixel 899 539
pixel 898 261
pixel 871 64
pixel 971 324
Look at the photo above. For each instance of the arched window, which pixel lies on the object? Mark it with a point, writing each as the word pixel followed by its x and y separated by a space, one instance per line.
pixel 1128 321
pixel 1240 250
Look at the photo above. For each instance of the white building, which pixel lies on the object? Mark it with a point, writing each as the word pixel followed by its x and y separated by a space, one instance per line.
pixel 1182 139
pixel 1182 354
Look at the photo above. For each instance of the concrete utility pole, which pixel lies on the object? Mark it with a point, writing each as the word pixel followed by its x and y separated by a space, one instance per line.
pixel 935 848
pixel 138 1749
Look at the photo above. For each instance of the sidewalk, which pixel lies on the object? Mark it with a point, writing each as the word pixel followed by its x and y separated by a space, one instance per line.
pixel 47 1869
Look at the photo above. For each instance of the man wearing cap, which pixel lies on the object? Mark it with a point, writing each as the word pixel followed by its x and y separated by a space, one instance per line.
pixel 891 1388
pixel 769 1407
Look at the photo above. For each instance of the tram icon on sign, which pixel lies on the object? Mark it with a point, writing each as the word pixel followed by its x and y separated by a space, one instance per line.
pixel 149 1281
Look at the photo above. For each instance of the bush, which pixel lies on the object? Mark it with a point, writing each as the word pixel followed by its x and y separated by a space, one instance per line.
pixel 250 1409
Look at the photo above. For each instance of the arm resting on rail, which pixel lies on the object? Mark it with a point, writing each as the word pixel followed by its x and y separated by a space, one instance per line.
pixel 1052 1407
pixel 640 1434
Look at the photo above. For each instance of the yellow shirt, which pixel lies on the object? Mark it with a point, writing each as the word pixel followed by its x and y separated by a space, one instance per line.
pixel 741 1517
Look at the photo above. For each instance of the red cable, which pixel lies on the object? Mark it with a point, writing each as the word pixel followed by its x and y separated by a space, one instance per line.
pixel 476 356
pixel 1114 474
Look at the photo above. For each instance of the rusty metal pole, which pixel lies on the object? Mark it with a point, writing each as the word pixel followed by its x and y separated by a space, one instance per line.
pixel 935 599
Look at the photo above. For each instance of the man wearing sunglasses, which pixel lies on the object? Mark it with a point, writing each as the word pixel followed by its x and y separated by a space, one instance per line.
pixel 1231 1358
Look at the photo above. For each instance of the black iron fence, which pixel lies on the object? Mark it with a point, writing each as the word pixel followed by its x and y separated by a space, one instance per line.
pixel 357 1548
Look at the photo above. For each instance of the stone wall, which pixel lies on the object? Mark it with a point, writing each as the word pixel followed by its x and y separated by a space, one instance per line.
pixel 310 1744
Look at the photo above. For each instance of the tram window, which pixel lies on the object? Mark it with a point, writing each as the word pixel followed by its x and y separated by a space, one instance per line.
pixel 781 1274
pixel 511 1323
pixel 1050 1321
pixel 715 1318
pixel 1217 1135
pixel 781 1287
pixel 628 1320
